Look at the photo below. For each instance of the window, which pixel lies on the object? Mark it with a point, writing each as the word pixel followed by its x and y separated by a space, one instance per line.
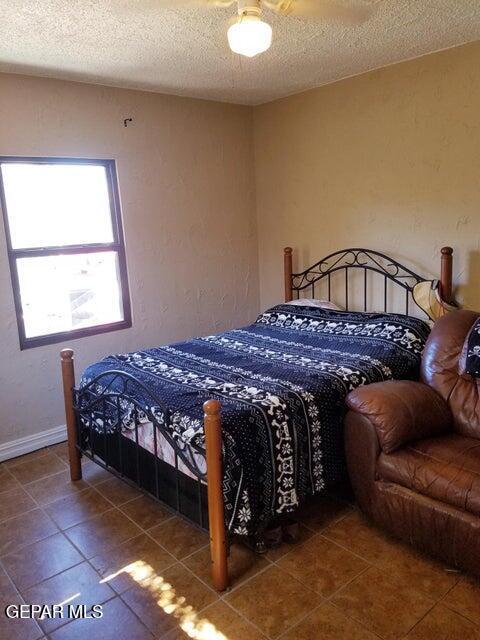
pixel 65 246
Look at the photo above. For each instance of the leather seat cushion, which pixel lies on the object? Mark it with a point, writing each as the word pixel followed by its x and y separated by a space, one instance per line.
pixel 445 468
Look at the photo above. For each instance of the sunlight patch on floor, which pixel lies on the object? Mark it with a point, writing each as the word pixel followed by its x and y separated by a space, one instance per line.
pixel 67 600
pixel 170 602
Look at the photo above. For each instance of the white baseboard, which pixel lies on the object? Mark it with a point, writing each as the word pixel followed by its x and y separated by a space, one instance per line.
pixel 19 447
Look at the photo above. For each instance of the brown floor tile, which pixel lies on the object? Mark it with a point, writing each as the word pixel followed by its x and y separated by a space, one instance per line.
pixel 229 623
pixel 465 599
pixel 394 598
pixel 185 589
pixel 333 624
pixel 25 529
pixel 15 502
pixel 39 467
pixel 28 457
pixel 61 450
pixel 276 553
pixel 147 605
pixel 72 510
pixel 273 601
pixel 407 564
pixel 96 535
pixel 93 473
pixel 78 585
pixel 354 533
pixel 383 604
pixel 117 623
pixel 443 624
pixel 216 622
pixel 163 600
pixel 145 512
pixel 142 552
pixel 41 560
pixel 11 628
pixel 18 629
pixel 178 537
pixel 5 582
pixel 179 634
pixel 242 564
pixel 117 491
pixel 322 565
pixel 55 487
pixel 7 481
pixel 322 511
pixel 412 567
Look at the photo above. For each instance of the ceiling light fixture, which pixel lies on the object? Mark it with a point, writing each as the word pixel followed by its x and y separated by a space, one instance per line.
pixel 249 35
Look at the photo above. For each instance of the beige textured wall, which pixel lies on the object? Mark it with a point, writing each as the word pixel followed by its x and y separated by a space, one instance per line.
pixel 185 178
pixel 388 160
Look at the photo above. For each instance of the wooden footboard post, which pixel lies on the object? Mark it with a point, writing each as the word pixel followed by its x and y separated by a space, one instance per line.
pixel 287 270
pixel 216 513
pixel 446 274
pixel 68 378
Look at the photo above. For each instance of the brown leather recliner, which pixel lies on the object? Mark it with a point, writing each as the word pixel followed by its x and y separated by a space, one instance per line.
pixel 413 450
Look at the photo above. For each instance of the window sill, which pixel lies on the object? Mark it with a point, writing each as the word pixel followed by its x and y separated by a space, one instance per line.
pixel 66 336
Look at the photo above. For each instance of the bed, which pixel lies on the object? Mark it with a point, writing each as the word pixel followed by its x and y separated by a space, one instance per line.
pixel 234 429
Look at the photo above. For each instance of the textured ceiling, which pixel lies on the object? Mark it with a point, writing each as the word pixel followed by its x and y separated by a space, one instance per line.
pixel 173 48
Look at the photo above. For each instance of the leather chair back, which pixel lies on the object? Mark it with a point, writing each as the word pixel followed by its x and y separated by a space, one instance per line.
pixel 443 368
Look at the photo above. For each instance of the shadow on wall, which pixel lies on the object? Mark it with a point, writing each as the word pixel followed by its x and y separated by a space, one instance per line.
pixel 470 277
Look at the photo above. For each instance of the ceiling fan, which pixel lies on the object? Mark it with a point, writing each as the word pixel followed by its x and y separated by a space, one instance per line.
pixel 249 35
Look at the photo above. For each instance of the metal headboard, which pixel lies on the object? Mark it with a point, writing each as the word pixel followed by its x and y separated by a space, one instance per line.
pixel 367 260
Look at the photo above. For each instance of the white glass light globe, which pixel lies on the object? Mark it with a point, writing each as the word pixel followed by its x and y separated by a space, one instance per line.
pixel 249 36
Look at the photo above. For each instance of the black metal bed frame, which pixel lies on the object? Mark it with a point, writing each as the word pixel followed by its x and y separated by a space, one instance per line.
pixel 100 419
pixel 98 412
pixel 356 258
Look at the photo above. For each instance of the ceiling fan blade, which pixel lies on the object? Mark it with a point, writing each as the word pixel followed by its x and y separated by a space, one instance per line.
pixel 223 4
pixel 347 11
pixel 144 6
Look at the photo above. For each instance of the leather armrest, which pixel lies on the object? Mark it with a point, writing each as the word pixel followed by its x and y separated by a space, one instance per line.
pixel 362 449
pixel 401 411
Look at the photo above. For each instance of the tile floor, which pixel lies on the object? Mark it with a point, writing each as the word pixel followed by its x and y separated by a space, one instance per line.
pixel 101 542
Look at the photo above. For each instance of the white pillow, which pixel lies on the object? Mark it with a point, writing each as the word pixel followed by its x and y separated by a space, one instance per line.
pixel 312 302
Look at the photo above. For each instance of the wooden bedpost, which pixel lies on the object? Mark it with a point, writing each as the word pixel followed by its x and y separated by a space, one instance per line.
pixel 68 378
pixel 216 513
pixel 287 268
pixel 446 274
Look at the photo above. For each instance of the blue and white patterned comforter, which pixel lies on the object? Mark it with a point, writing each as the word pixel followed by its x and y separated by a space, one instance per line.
pixel 282 382
pixel 473 351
